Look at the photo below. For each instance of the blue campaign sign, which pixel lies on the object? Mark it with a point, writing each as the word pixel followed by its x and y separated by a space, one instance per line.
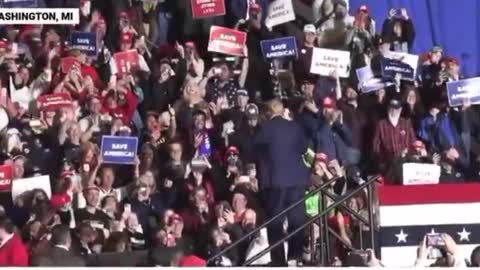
pixel 18 3
pixel 85 42
pixel 119 150
pixel 391 67
pixel 459 91
pixel 279 47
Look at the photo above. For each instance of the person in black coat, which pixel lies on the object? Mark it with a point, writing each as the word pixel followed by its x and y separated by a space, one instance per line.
pixel 59 254
pixel 282 177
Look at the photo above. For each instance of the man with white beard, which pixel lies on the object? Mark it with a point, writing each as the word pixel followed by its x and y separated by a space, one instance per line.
pixel 393 135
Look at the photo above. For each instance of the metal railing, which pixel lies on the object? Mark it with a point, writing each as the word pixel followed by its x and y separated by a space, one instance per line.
pixel 265 224
pixel 322 213
pixel 329 231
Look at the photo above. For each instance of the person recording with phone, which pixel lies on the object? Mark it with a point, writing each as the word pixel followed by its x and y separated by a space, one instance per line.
pixel 220 81
pixel 450 71
pixel 160 91
pixel 147 205
pixel 197 217
pixel 199 176
pixel 442 249
pixel 201 135
pixel 194 64
pixel 398 30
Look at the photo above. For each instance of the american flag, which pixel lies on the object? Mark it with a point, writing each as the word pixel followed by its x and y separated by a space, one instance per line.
pixel 408 213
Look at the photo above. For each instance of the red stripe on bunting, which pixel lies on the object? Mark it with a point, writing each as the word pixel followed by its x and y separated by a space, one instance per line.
pixel 429 194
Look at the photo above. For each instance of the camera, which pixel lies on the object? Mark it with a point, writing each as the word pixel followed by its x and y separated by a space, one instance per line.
pixel 436 242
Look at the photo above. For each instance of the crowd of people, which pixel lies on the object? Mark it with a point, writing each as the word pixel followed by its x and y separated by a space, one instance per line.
pixel 206 123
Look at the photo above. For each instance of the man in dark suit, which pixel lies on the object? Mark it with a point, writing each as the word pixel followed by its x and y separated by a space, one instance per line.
pixel 282 177
pixel 59 254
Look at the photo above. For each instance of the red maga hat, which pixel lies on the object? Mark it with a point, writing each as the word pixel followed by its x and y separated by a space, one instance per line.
pixel 363 8
pixel 321 157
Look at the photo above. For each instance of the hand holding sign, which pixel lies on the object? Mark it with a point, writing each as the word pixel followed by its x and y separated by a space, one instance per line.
pixel 126 61
pixel 466 104
pixel 227 41
pixel 462 90
pixel 85 42
pixel 334 74
pixel 119 150
pixel 326 61
pixel 279 48
pixel 279 12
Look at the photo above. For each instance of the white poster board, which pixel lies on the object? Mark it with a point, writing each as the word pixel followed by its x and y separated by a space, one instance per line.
pixel 326 61
pixel 19 186
pixel 279 11
pixel 420 174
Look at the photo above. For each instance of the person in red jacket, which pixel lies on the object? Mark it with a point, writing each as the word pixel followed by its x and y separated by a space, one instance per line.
pixel 120 104
pixel 12 251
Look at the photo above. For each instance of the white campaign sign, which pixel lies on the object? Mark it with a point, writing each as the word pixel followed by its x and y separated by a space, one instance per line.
pixel 19 186
pixel 326 61
pixel 279 11
pixel 409 59
pixel 420 174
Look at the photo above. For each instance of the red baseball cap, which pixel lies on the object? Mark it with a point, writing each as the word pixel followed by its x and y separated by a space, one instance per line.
pixel 123 15
pixel 190 44
pixel 329 103
pixel 363 8
pixel 417 145
pixel 450 61
pixel 254 7
pixel 232 150
pixel 59 200
pixel 321 157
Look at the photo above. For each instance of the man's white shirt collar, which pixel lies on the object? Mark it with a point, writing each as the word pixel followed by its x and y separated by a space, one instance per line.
pixel 6 240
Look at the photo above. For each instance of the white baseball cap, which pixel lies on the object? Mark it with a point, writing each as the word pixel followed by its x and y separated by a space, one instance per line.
pixel 309 28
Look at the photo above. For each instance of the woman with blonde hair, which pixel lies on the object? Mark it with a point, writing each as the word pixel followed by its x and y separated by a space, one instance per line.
pixel 193 97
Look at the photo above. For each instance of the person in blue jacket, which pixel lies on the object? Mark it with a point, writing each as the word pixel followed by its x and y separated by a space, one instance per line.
pixel 333 137
pixel 444 133
pixel 282 177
